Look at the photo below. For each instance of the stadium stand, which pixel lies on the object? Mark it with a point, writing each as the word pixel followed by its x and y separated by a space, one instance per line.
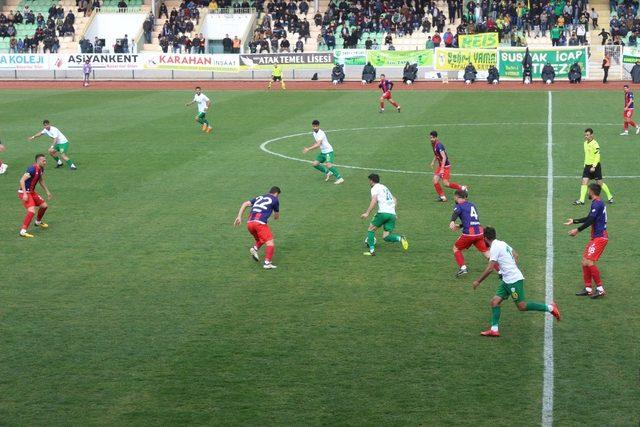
pixel 53 35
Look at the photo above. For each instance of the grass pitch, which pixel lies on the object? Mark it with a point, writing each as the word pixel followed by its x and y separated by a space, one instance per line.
pixel 140 303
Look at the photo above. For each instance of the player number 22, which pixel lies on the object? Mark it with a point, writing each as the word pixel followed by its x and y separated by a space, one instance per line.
pixel 262 203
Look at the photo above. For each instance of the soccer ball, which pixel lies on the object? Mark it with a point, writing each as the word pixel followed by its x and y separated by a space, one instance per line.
pixel 366 243
pixel 549 81
pixel 468 82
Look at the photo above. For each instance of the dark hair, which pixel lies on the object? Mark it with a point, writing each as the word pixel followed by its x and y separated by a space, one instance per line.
pixel 433 133
pixel 316 123
pixel 45 122
pixel 382 75
pixel 39 155
pixel 589 130
pixel 374 177
pixel 198 87
pixel 275 190
pixel 627 86
pixel 595 188
pixel 490 233
pixel 461 193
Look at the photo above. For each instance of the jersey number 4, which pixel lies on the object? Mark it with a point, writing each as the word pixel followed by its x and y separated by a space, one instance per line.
pixel 473 213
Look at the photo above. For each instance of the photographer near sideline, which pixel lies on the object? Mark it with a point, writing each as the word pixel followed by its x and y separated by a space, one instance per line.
pixel 548 73
pixel 337 74
pixel 493 76
pixel 470 74
pixel 575 73
pixel 368 73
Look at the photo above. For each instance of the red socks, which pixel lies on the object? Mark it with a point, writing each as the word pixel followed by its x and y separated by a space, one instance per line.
pixel 41 212
pixel 455 186
pixel 459 258
pixel 394 103
pixel 632 123
pixel 269 253
pixel 586 275
pixel 438 189
pixel 626 126
pixel 382 105
pixel 27 220
pixel 595 273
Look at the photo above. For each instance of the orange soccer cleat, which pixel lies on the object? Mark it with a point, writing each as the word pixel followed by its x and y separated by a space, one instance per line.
pixel 490 333
pixel 555 311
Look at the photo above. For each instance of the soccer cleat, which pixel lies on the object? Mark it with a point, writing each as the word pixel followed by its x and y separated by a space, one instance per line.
pixel 578 203
pixel 584 293
pixel 381 110
pixel 3 168
pixel 59 165
pixel 404 242
pixel 610 201
pixel 461 272
pixel 369 253
pixel 490 333
pixel 555 311
pixel 465 188
pixel 339 181
pixel 203 127
pixel 209 129
pixel 398 108
pixel 41 224
pixel 254 254
pixel 626 132
pixel 441 199
pixel 269 266
pixel 73 167
pixel 597 294
pixel 327 176
pixel 26 235
pixel 637 130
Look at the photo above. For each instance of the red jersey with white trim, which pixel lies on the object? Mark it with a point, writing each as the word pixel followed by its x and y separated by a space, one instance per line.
pixel 469 219
pixel 386 85
pixel 262 207
pixel 628 100
pixel 35 173
pixel 438 148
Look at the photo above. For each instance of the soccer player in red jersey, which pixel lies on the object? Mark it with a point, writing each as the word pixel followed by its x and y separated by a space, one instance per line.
pixel 597 220
pixel 3 166
pixel 386 86
pixel 261 209
pixel 628 111
pixel 31 199
pixel 472 231
pixel 444 168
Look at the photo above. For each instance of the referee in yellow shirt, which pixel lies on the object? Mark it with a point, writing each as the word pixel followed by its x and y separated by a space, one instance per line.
pixel 592 168
pixel 276 76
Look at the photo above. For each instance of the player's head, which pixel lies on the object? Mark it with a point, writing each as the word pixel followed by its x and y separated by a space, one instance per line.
pixel 41 159
pixel 626 88
pixel 275 65
pixel 315 125
pixel 383 77
pixel 86 61
pixel 588 134
pixel 198 90
pixel 489 235
pixel 275 191
pixel 374 178
pixel 460 196
pixel 433 136
pixel 46 124
pixel 594 190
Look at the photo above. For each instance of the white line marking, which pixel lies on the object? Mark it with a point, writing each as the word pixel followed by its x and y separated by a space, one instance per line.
pixel 547 386
pixel 265 144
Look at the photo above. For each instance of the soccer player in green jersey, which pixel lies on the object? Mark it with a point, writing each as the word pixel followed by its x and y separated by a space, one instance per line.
pixel 592 168
pixel 502 256
pixel 204 103
pixel 385 218
pixel 60 148
pixel 276 76
pixel 324 160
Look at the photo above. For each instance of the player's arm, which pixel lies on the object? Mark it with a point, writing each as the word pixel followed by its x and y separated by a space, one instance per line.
pixel 44 185
pixel 23 188
pixel 487 271
pixel 372 205
pixel 208 104
pixel 313 147
pixel 444 161
pixel 596 156
pixel 37 135
pixel 190 103
pixel 243 207
pixel 586 222
pixel 454 216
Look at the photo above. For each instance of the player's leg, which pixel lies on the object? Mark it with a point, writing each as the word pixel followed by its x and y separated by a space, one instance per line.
pixel 54 154
pixel 583 187
pixel 494 331
pixel 318 163
pixel 519 298
pixel 463 242
pixel 394 103
pixel 282 85
pixel 333 169
pixel 257 241
pixel 590 271
pixel 42 208
pixel 63 149
pixel 438 187
pixel 29 204
pixel 630 120
pixel 267 237
pixel 389 236
pixel 446 180
pixel 606 190
pixel 382 103
pixel 271 80
pixel 371 234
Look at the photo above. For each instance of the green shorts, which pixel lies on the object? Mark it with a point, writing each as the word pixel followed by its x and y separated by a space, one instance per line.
pixel 201 115
pixel 325 157
pixel 62 148
pixel 514 290
pixel 386 220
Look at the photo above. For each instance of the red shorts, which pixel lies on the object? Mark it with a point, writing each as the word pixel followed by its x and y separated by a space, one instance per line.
pixel 386 95
pixel 446 174
pixel 34 200
pixel 260 232
pixel 628 113
pixel 594 248
pixel 465 241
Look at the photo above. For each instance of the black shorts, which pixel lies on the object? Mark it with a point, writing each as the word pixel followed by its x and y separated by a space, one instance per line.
pixel 276 78
pixel 597 175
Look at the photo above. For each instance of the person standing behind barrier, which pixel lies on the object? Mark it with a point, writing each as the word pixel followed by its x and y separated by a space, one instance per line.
pixel 236 45
pixel 606 63
pixel 86 71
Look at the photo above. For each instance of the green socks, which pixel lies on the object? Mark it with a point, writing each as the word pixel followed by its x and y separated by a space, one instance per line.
pixel 495 316
pixel 321 168
pixel 371 238
pixel 335 172
pixel 583 193
pixel 605 188
pixel 69 162
pixel 537 306
pixel 56 159
pixel 392 238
